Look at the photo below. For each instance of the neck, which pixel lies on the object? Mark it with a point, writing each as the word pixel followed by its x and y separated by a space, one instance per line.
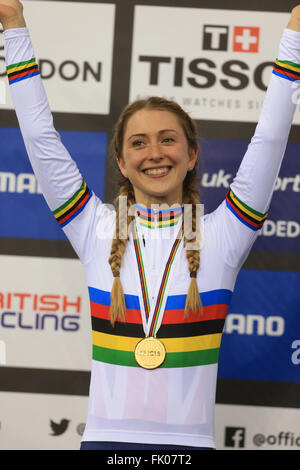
pixel 150 201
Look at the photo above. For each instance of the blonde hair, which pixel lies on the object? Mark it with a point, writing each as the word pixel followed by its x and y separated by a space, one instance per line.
pixel 191 196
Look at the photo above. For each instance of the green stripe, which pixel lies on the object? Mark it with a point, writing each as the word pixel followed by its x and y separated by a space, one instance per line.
pixel 177 359
pixel 259 214
pixel 70 200
pixel 293 64
pixel 20 63
pixel 113 356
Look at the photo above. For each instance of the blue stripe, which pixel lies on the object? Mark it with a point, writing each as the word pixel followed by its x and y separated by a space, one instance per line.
pixel 23 78
pixel 103 297
pixel 240 218
pixel 213 297
pixel 77 212
pixel 282 75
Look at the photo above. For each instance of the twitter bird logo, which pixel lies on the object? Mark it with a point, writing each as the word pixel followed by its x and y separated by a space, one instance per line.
pixel 59 428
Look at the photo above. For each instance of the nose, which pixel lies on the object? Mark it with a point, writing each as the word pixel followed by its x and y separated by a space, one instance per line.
pixel 155 152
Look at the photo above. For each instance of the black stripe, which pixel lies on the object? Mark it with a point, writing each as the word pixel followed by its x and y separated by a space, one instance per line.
pixel 287 70
pixel 185 330
pixel 61 382
pixel 22 71
pixel 132 330
pixel 76 383
pixel 179 330
pixel 258 393
pixel 249 217
pixel 73 207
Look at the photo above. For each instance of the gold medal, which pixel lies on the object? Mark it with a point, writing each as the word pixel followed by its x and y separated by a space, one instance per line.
pixel 150 353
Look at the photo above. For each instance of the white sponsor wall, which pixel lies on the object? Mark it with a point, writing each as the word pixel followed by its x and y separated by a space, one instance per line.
pixel 45 313
pixel 220 69
pixel 257 428
pixel 74 46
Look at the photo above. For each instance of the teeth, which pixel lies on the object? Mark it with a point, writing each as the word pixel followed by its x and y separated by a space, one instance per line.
pixel 156 171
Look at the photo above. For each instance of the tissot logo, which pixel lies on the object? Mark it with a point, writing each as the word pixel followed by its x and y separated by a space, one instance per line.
pixel 214 63
pixel 215 38
pixel 244 38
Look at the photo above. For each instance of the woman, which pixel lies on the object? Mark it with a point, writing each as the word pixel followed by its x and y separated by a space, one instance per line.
pixel 155 339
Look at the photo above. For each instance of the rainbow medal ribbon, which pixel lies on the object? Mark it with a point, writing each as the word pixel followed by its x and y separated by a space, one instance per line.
pixel 150 352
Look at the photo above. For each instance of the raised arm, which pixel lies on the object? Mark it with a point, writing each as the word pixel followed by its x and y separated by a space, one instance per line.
pixel 248 200
pixel 70 200
pixel 11 14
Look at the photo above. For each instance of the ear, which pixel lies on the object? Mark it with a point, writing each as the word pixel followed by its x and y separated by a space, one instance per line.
pixel 122 166
pixel 193 154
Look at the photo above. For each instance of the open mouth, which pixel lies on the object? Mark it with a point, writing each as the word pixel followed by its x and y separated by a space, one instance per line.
pixel 156 172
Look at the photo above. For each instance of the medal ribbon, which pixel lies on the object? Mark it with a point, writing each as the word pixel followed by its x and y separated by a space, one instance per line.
pixel 141 272
pixel 163 281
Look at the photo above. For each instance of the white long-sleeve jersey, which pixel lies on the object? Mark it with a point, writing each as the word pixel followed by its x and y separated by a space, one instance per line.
pixel 173 404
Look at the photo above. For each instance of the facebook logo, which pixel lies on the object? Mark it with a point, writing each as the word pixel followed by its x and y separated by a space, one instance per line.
pixel 215 37
pixel 235 437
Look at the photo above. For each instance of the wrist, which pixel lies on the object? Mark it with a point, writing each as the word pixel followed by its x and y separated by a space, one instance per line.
pixel 294 22
pixel 18 22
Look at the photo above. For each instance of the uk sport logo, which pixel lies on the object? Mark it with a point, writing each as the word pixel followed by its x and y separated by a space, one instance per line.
pixel 217 38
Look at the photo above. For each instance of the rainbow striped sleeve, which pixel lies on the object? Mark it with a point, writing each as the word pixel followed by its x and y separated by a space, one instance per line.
pixel 253 219
pixel 22 71
pixel 70 209
pixel 286 69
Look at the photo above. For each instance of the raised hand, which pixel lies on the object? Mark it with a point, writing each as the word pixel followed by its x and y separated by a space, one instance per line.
pixel 11 14
pixel 294 22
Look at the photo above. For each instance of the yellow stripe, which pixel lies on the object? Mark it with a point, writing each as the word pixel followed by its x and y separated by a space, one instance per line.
pixel 287 66
pixel 72 203
pixel 121 343
pixel 160 223
pixel 22 67
pixel 244 210
pixel 125 343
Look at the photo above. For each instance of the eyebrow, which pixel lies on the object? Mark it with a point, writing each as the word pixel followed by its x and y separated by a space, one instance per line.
pixel 144 135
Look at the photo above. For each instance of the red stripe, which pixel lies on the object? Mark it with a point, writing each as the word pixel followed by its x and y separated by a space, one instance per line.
pixel 61 221
pixel 23 74
pixel 167 215
pixel 289 74
pixel 102 311
pixel 258 224
pixel 209 312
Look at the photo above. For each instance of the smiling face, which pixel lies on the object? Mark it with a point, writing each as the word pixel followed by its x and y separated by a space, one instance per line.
pixel 156 156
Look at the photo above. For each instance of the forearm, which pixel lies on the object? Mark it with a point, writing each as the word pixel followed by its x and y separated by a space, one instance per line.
pixel 258 172
pixel 56 172
pixel 12 23
pixel 11 14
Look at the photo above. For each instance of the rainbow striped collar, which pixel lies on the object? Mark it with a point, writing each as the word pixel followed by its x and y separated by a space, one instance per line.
pixel 158 217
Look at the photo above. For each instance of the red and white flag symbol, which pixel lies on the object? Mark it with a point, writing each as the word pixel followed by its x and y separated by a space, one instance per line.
pixel 245 39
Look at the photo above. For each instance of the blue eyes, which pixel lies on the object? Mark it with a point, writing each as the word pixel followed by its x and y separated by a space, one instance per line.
pixel 139 143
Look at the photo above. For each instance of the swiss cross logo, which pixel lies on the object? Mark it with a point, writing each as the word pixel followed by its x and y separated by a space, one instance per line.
pixel 245 39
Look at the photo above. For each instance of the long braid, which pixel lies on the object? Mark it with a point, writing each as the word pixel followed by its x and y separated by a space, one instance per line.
pixel 191 197
pixel 123 221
